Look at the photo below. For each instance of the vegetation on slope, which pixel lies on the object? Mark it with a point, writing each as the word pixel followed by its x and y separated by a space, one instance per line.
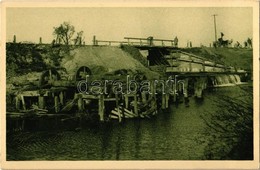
pixel 230 128
pixel 238 57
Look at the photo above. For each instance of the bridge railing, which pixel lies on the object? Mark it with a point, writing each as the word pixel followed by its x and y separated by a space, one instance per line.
pixel 110 43
pixel 150 41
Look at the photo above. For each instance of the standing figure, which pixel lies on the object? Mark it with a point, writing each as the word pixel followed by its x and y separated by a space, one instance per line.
pixel 245 44
pixel 237 45
pixel 150 41
pixel 249 42
pixel 175 41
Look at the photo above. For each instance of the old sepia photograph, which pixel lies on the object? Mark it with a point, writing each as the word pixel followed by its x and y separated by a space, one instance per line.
pixel 130 83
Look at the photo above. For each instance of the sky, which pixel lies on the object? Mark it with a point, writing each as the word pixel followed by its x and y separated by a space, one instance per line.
pixel 194 24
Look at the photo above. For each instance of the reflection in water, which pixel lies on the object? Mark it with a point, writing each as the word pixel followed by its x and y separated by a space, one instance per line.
pixel 176 134
pixel 137 139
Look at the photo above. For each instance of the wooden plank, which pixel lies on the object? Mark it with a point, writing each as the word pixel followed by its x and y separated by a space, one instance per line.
pixel 30 93
pixel 15 113
pixel 63 83
pixel 113 117
pixel 129 112
pixel 128 115
pixel 109 99
pixel 88 96
pixel 134 38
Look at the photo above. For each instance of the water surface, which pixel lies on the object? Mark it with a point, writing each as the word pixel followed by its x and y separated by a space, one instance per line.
pixel 173 134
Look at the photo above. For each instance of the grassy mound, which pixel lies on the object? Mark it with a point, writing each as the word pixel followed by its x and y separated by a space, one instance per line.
pixel 103 59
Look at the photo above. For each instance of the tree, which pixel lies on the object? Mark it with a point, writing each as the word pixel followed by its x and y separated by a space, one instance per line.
pixel 64 33
pixel 79 39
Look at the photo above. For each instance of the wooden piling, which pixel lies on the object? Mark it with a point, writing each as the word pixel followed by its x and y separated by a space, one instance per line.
pixel 152 90
pixel 14 40
pixel 61 96
pixel 190 64
pixel 80 102
pixel 17 103
pixel 94 40
pixel 166 100
pixel 174 92
pixel 41 102
pixel 174 97
pixel 22 126
pixel 40 40
pixel 135 105
pixel 50 74
pixel 185 92
pixel 56 104
pixel 203 66
pixel 23 102
pixel 163 101
pixel 143 97
pixel 117 106
pixel 126 101
pixel 101 107
pixel 199 87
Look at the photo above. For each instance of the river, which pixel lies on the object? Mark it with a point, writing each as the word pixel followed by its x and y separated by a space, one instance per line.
pixel 175 134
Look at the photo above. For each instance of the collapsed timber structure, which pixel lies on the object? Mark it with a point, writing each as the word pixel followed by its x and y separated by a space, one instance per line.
pixel 57 94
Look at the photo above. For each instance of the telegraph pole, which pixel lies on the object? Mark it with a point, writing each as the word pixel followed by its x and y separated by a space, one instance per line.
pixel 215 26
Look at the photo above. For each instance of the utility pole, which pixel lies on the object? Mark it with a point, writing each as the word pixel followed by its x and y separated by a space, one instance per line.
pixel 215 26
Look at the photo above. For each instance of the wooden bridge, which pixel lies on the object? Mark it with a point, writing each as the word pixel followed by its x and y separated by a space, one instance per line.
pixel 145 43
pixel 164 52
pixel 177 61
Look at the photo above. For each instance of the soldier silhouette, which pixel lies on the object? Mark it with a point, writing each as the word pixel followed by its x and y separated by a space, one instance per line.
pixel 175 41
